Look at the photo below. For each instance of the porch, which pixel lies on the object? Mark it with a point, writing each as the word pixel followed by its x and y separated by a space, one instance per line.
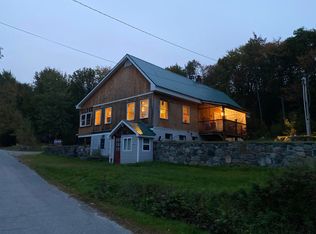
pixel 220 120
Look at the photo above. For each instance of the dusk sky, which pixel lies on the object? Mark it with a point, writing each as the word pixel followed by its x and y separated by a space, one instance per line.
pixel 209 27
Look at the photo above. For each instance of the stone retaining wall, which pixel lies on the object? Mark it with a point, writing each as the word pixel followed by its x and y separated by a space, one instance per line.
pixel 69 150
pixel 221 153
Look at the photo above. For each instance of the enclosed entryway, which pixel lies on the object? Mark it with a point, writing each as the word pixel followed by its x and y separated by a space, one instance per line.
pixel 132 143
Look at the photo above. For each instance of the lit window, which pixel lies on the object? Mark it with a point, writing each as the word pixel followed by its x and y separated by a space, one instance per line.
pixel 127 144
pixel 85 119
pixel 185 114
pixel 108 115
pixel 144 108
pixel 130 111
pixel 97 117
pixel 163 109
pixel 146 144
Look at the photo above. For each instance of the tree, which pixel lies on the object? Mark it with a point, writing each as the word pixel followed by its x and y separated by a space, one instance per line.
pixel 265 76
pixel 177 69
pixel 52 105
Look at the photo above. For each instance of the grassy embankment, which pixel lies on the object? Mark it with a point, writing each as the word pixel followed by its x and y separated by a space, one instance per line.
pixel 104 185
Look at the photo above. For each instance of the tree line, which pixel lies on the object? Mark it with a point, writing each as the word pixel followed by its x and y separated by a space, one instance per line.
pixel 44 110
pixel 264 77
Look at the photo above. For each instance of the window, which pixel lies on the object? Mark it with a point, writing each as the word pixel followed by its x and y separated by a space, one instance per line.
pixel 97 117
pixel 144 108
pixel 194 138
pixel 85 119
pixel 108 115
pixel 130 111
pixel 185 114
pixel 168 136
pixel 127 144
pixel 182 137
pixel 163 109
pixel 102 141
pixel 146 144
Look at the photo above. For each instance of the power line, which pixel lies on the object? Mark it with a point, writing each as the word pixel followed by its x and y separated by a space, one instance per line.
pixel 56 42
pixel 143 31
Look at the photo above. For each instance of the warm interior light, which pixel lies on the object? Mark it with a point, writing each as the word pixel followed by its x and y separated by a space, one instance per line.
pixel 234 115
pixel 185 114
pixel 144 107
pixel 163 109
pixel 97 117
pixel 108 115
pixel 130 111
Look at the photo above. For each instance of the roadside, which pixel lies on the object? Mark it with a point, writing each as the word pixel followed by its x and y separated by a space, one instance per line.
pixel 30 205
pixel 130 193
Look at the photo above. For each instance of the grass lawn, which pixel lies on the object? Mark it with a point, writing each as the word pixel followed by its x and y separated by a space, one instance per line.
pixel 83 179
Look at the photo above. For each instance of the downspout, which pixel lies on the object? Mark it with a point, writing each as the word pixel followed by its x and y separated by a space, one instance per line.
pixel 138 148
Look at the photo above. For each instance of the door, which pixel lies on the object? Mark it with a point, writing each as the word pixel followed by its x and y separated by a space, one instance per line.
pixel 117 150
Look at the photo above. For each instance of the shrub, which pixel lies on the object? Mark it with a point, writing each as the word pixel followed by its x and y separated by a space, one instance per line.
pixel 286 204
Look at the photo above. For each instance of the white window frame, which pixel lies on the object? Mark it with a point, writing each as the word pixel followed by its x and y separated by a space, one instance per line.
pixel 105 120
pixel 146 144
pixel 125 145
pixel 127 111
pixel 85 119
pixel 140 108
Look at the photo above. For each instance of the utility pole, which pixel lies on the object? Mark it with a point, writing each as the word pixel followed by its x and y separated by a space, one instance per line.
pixel 306 106
pixel 0 52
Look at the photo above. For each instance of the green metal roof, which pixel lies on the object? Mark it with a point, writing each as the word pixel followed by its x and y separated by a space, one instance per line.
pixel 180 84
pixel 141 128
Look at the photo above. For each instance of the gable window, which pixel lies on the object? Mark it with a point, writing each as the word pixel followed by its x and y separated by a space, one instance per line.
pixel 182 137
pixel 127 144
pixel 168 136
pixel 146 144
pixel 108 115
pixel 163 109
pixel 130 111
pixel 85 119
pixel 185 114
pixel 144 108
pixel 97 117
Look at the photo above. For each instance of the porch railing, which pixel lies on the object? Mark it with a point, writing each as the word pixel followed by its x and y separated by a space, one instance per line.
pixel 227 127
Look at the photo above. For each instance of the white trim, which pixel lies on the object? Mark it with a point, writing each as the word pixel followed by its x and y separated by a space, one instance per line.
pixel 140 108
pixel 95 134
pixel 113 70
pixel 152 84
pixel 85 119
pixel 175 94
pixel 137 155
pixel 146 144
pixel 119 125
pixel 122 99
pixel 123 148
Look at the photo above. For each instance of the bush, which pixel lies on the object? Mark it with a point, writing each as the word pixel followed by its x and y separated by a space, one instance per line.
pixel 287 204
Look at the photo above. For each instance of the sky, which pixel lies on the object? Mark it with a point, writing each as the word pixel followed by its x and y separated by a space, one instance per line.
pixel 208 27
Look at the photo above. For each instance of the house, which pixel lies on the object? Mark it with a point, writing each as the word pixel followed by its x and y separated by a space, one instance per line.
pixel 138 102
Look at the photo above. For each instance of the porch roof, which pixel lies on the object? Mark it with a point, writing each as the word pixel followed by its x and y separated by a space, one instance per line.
pixel 139 128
